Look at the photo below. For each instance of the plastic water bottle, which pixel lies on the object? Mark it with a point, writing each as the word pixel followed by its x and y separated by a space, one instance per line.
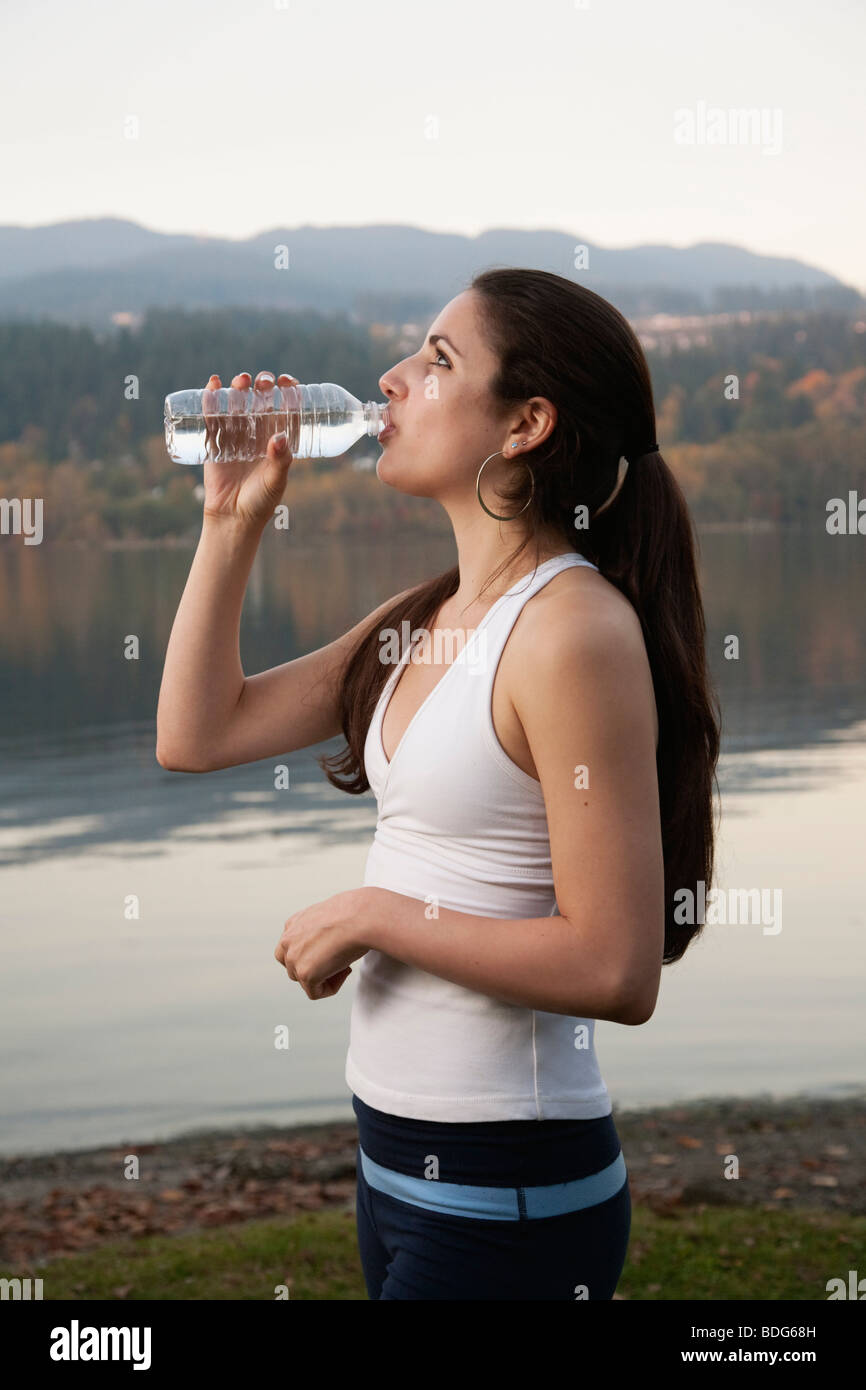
pixel 231 426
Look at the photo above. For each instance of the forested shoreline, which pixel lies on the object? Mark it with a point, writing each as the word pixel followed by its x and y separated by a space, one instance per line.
pixel 763 423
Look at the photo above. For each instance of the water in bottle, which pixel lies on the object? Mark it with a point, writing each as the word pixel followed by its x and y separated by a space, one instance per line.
pixel 321 420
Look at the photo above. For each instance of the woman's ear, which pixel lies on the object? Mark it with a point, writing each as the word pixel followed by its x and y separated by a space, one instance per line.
pixel 540 420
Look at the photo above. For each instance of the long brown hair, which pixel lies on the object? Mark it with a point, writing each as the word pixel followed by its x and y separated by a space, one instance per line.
pixel 556 339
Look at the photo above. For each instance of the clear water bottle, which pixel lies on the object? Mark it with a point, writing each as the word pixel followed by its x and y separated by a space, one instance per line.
pixel 231 426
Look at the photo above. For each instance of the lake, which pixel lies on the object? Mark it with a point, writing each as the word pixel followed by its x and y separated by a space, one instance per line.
pixel 119 1030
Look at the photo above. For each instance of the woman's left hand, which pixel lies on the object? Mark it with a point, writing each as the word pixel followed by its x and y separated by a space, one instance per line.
pixel 319 943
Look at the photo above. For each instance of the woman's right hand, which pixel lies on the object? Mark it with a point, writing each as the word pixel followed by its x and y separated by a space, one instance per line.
pixel 246 490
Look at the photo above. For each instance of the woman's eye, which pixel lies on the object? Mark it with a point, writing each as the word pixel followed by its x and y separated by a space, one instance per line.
pixel 445 359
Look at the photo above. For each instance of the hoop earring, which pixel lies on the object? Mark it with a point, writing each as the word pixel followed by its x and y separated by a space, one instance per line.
pixel 484 504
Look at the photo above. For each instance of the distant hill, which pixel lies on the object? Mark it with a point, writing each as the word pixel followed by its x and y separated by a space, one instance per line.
pixel 87 271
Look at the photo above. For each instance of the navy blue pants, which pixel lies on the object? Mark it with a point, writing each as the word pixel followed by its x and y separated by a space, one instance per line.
pixel 511 1209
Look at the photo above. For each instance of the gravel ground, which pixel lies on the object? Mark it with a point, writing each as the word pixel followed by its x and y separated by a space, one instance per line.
pixel 801 1152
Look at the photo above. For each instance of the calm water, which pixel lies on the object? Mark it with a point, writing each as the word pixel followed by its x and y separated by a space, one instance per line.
pixel 118 1030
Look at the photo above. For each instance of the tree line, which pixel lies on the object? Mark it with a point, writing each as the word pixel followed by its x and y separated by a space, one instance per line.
pixel 757 421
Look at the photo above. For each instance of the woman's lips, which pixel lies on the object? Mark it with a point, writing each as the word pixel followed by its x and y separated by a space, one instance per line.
pixel 387 432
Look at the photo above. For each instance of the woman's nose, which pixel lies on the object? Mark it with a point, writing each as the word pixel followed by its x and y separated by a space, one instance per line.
pixel 395 382
pixel 385 385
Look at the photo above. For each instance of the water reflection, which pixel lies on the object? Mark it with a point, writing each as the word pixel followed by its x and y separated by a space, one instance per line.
pixel 77 753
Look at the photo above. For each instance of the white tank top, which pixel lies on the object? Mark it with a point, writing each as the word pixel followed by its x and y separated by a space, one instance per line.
pixel 462 826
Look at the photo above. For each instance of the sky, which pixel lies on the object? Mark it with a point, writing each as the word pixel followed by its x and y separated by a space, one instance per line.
pixel 614 120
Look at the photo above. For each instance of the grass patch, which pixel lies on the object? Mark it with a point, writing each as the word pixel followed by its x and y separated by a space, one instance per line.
pixel 708 1254
pixel 315 1254
pixel 740 1253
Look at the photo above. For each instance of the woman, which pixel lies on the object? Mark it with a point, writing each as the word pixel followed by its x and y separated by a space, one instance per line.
pixel 541 798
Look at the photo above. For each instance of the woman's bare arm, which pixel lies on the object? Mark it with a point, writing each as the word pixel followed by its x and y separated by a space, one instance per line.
pixel 211 715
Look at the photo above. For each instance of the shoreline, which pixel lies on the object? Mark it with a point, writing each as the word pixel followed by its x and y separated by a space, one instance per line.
pixel 795 1102
pixel 801 1152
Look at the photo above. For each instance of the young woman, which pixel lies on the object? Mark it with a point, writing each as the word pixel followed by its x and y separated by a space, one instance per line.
pixel 543 756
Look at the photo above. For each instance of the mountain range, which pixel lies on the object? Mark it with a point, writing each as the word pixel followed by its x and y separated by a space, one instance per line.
pixel 97 271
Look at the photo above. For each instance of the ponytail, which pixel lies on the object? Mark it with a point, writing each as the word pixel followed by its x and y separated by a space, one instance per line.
pixel 644 544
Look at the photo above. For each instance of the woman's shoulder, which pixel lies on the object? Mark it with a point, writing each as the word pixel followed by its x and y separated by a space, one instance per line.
pixel 578 628
pixel 579 610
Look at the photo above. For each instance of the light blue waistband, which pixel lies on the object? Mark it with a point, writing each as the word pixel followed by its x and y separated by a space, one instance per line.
pixel 497 1203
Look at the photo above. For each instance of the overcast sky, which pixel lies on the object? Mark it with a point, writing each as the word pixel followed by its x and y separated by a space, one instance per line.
pixel 456 115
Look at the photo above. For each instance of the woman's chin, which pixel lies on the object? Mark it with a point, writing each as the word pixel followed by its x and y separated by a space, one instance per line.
pixel 393 475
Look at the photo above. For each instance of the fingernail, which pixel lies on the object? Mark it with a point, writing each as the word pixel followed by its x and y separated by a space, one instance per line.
pixel 280 442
